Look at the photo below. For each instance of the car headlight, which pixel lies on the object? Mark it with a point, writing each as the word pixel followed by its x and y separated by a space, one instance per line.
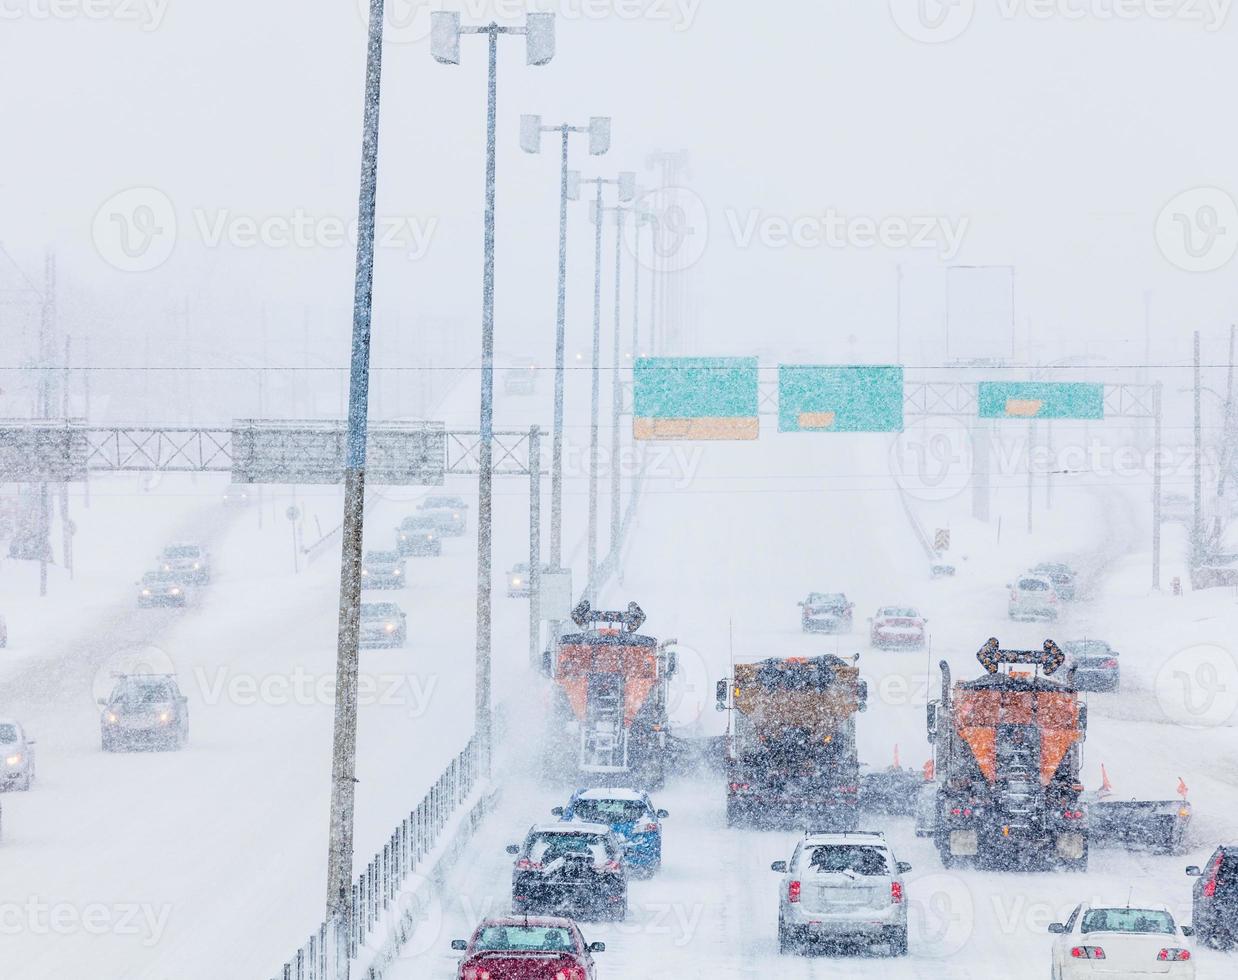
pixel 455 517
pixel 429 537
pixel 364 572
pixel 515 581
pixel 175 591
pixel 146 592
pixel 165 717
pixel 196 566
pixel 403 537
pixel 390 627
pixel 396 572
pixel 13 760
pixel 112 718
pixel 167 568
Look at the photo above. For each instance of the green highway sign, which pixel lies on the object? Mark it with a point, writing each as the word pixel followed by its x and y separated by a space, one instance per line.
pixel 695 398
pixel 1040 400
pixel 861 398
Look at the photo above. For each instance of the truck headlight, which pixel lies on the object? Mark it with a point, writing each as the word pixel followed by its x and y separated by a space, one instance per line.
pixel 13 760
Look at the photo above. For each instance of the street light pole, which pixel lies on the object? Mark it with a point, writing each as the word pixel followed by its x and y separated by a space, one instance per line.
pixel 445 46
pixel 616 401
pixel 531 130
pixel 344 741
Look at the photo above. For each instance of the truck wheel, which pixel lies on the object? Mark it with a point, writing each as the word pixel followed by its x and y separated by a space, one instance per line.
pixel 1079 864
pixel 734 815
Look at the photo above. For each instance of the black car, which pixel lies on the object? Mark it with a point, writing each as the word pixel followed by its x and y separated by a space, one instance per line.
pixel 575 869
pixel 144 711
pixel 1095 664
pixel 1214 899
pixel 420 537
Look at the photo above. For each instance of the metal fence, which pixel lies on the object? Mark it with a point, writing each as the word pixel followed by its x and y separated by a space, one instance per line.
pixel 375 889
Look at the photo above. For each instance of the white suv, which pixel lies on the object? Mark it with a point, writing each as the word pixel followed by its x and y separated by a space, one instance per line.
pixel 1033 596
pixel 842 887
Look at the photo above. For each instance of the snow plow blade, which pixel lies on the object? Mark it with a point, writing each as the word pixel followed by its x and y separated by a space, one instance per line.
pixel 1157 825
pixel 890 791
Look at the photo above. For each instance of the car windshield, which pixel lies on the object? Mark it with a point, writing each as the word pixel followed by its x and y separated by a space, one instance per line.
pixel 139 693
pixel 609 811
pixel 8 733
pixel 159 577
pixel 381 557
pixel 413 523
pixel 379 610
pixel 1033 585
pixel 551 939
pixel 182 551
pixel 443 503
pixel 1127 920
pixel 547 847
pixel 848 857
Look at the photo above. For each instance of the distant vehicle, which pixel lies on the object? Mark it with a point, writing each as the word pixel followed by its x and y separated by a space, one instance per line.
pixel 518 580
pixel 1214 898
pixel 527 948
pixel 450 513
pixel 1033 597
pixel 1157 825
pixel 4 633
pixel 1061 575
pixel 521 380
pixel 16 756
pixel 237 495
pixel 190 561
pixel 419 537
pixel 842 886
pixel 897 626
pixel 826 612
pixel 382 570
pixel 575 869
pixel 162 589
pixel 1121 941
pixel 146 710
pixel 631 816
pixel 1095 664
pixel 383 624
pixel 1177 507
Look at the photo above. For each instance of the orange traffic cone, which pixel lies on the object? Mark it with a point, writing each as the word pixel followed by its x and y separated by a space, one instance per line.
pixel 929 771
pixel 1105 785
pixel 896 765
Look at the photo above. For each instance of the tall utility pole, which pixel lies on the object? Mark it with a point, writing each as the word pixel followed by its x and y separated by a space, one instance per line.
pixel 445 46
pixel 535 546
pixel 1197 541
pixel 47 329
pixel 616 401
pixel 626 182
pixel 1156 486
pixel 531 130
pixel 344 742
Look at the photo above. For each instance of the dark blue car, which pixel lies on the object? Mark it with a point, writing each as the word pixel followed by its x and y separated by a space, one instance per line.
pixel 630 814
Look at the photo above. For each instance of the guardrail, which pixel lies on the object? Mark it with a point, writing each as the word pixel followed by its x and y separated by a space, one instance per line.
pixel 376 888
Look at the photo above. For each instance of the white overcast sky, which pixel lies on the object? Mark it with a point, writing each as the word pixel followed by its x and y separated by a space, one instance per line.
pixel 1054 134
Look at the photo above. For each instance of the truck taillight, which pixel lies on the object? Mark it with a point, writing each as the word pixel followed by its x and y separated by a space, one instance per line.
pixel 1072 814
pixel 1088 952
pixel 1173 955
pixel 896 892
pixel 793 891
pixel 961 811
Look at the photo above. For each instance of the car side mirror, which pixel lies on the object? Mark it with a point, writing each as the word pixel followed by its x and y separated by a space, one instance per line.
pixel 459 944
pixel 1057 928
pixel 556 811
pixel 1009 586
pixel 1188 931
pixel 546 663
pixel 903 867
pixel 663 814
pixel 597 947
pixel 512 848
pixel 101 702
pixel 931 719
pixel 779 866
pixel 1193 871
pixel 31 741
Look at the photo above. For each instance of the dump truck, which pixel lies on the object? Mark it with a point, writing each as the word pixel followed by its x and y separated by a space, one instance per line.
pixel 608 712
pixel 790 744
pixel 1007 753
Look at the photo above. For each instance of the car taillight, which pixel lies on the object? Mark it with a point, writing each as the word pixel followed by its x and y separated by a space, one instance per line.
pixel 964 811
pixel 738 786
pixel 647 828
pixel 793 891
pixel 1088 952
pixel 1210 888
pixel 848 789
pixel 524 864
pixel 1174 955
pixel 896 892
pixel 474 973
pixel 1110 663
pixel 571 973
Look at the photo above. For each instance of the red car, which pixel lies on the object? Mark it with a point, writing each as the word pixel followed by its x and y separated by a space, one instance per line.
pixel 521 947
pixel 897 626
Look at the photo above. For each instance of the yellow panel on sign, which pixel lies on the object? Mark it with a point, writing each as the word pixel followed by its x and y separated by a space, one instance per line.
pixel 816 420
pixel 688 429
pixel 1023 408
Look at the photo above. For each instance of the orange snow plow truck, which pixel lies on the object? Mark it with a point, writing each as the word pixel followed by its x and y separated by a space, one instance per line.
pixel 1007 750
pixel 608 712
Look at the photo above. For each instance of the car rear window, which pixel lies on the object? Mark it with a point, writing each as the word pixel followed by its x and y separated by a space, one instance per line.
pixel 1127 920
pixel 894 612
pixel 609 811
pixel 145 693
pixel 524 938
pixel 378 610
pixel 548 847
pixel 182 551
pixel 854 858
pixel 1033 585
